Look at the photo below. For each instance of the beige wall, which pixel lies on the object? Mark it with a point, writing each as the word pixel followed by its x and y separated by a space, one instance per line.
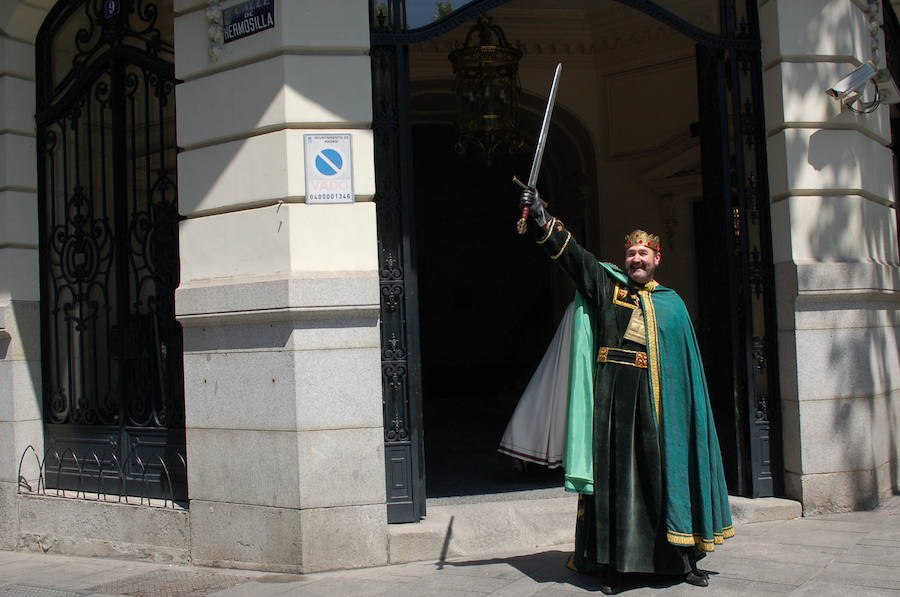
pixel 835 239
pixel 20 411
pixel 278 298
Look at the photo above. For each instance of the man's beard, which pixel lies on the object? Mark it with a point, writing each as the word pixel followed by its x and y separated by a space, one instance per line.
pixel 641 275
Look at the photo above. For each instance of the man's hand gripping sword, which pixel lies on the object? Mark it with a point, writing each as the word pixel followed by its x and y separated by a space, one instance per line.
pixel 522 225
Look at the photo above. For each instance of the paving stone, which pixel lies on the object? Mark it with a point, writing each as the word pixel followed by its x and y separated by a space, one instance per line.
pixel 171 583
pixel 258 589
pixel 823 589
pixel 814 537
pixel 866 517
pixel 523 587
pixel 875 555
pixel 880 542
pixel 34 591
pixel 326 588
pixel 737 567
pixel 862 575
pixel 843 524
pixel 459 583
pixel 811 555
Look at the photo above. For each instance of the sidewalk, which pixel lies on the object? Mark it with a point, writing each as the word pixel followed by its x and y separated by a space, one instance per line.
pixel 855 554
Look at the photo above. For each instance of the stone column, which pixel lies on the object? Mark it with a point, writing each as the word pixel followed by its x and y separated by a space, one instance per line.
pixel 835 235
pixel 279 299
pixel 20 394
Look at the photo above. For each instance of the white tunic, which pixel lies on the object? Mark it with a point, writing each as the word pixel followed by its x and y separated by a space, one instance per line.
pixel 537 430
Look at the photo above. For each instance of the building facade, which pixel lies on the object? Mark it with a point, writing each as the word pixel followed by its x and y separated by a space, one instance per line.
pixel 206 357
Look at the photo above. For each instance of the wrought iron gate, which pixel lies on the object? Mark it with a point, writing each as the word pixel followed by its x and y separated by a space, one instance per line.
pixel 738 299
pixel 108 213
pixel 735 206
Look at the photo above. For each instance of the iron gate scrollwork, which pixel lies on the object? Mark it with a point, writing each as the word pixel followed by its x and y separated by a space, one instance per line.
pixel 108 213
pixel 737 219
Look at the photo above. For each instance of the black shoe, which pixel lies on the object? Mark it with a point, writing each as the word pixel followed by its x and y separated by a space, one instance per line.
pixel 607 589
pixel 608 582
pixel 697 578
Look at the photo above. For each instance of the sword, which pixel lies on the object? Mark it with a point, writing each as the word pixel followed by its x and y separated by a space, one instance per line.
pixel 522 224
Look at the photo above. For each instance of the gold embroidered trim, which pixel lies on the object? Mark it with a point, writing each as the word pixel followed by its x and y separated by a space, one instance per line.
pixel 565 244
pixel 619 296
pixel 653 353
pixel 639 360
pixel 546 237
pixel 697 540
pixel 651 285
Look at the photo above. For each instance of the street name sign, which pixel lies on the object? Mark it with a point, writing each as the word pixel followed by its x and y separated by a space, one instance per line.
pixel 247 18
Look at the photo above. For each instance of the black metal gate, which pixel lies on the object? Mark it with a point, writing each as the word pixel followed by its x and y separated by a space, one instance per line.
pixel 738 301
pixel 735 206
pixel 108 213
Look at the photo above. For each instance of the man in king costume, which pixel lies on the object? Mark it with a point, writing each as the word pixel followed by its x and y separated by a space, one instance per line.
pixel 641 445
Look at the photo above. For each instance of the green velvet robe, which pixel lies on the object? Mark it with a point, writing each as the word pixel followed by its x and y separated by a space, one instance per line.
pixel 641 445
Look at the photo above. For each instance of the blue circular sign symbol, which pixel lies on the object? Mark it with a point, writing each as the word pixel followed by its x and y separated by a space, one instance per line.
pixel 329 162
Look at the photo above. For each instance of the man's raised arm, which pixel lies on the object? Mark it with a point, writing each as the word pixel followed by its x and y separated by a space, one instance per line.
pixel 584 270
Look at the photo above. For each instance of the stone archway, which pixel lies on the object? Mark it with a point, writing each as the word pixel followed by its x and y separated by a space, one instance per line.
pixel 476 358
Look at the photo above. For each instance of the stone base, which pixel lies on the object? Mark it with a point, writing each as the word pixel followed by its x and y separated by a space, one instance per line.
pixel 471 529
pixel 288 539
pixel 746 510
pixel 345 537
pixel 834 492
pixel 101 529
pixel 247 537
pixel 9 516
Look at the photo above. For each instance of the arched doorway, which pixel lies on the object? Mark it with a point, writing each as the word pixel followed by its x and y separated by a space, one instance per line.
pixel 108 218
pixel 476 357
pixel 730 199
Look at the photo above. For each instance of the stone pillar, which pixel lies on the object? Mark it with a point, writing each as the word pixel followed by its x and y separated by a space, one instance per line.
pixel 835 239
pixel 279 299
pixel 20 394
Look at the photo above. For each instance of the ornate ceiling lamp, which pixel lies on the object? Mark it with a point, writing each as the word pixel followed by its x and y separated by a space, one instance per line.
pixel 487 91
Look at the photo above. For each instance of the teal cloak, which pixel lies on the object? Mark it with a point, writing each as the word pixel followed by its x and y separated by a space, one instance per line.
pixel 669 423
pixel 697 510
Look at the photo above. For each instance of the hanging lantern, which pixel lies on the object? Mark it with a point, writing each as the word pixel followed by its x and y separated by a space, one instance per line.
pixel 487 92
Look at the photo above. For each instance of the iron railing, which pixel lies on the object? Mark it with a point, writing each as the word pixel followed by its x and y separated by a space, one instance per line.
pixel 102 477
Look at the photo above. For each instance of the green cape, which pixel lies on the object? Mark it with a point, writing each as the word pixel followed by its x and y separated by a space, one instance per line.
pixel 697 509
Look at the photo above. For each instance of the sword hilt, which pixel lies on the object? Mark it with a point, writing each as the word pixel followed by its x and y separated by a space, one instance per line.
pixel 522 224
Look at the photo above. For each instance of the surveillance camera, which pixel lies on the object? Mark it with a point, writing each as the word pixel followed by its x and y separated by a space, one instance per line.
pixel 850 87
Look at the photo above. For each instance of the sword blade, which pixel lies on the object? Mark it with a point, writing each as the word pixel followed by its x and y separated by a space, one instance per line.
pixel 545 128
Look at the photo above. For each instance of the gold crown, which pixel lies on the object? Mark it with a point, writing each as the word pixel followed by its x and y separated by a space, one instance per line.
pixel 639 237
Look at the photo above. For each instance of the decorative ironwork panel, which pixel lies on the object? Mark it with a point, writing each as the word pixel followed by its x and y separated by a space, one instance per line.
pixel 401 384
pixel 112 348
pixel 78 34
pixel 736 189
pixel 79 261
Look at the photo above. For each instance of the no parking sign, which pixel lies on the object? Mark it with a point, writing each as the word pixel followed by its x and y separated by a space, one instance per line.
pixel 329 168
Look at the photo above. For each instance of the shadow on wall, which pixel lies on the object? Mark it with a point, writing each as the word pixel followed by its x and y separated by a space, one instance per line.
pixel 856 237
pixel 846 244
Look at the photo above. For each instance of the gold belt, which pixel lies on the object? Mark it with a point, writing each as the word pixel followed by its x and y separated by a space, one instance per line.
pixel 620 356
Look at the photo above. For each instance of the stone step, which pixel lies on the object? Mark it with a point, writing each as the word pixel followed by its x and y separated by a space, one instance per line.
pixel 522 521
